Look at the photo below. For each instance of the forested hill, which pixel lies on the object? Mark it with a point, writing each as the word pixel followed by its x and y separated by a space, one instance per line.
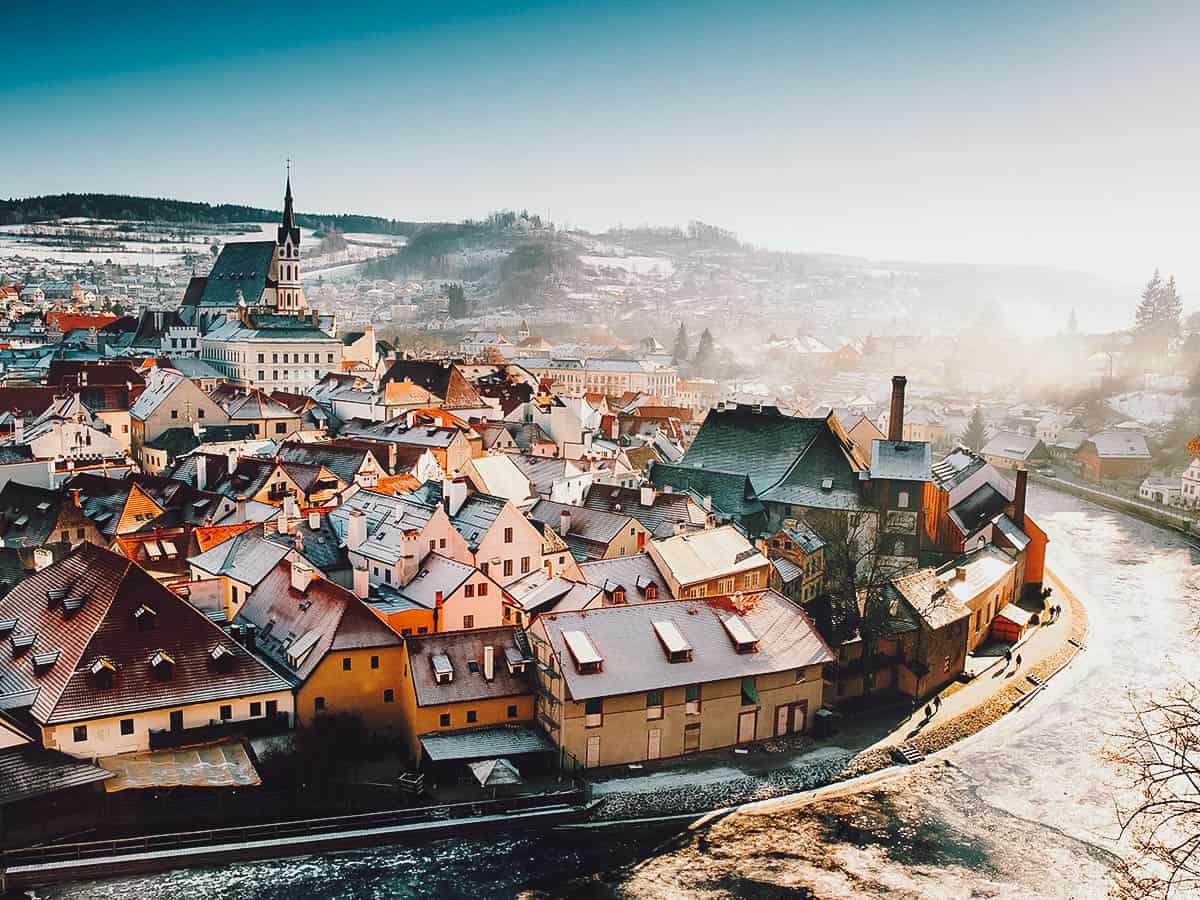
pixel 158 209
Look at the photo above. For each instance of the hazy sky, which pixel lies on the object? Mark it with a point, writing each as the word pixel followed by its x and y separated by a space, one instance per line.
pixel 1047 133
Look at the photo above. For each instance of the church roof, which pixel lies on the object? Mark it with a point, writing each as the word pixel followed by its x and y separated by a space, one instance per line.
pixel 242 266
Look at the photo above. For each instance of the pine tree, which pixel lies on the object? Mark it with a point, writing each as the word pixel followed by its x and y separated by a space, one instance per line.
pixel 680 350
pixel 1148 306
pixel 975 435
pixel 458 301
pixel 707 349
pixel 1170 310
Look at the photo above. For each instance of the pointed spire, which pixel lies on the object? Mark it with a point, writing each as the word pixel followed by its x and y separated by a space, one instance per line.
pixel 287 198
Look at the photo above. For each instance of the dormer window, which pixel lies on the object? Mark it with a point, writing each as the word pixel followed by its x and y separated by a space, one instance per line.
pixel 222 658
pixel 587 658
pixel 144 617
pixel 42 662
pixel 443 671
pixel 618 596
pixel 22 642
pixel 102 671
pixel 7 626
pixel 674 644
pixel 163 665
pixel 739 632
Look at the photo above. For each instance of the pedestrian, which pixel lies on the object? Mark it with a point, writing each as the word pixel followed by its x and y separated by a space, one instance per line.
pixel 1007 658
pixel 928 711
pixel 937 703
pixel 1018 662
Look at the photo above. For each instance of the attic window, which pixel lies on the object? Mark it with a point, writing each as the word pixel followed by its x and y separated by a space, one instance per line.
pixel 443 672
pixel 145 617
pixel 222 657
pixel 43 661
pixel 54 596
pixel 163 665
pixel 674 643
pixel 473 666
pixel 7 625
pixel 516 662
pixel 587 658
pixel 739 632
pixel 827 484
pixel 102 672
pixel 72 605
pixel 22 642
pixel 44 506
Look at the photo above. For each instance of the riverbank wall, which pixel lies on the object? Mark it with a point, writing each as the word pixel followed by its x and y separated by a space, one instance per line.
pixel 1147 512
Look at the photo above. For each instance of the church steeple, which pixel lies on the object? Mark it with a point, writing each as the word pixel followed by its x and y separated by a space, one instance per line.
pixel 289 224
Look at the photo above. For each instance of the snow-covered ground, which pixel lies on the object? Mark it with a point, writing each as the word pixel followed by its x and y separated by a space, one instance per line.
pixel 1150 407
pixel 637 265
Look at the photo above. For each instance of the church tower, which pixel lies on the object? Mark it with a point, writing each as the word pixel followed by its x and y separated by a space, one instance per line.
pixel 289 295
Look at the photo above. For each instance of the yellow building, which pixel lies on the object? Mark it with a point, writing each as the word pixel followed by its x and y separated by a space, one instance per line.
pixel 344 658
pixel 458 682
pixel 710 563
pixel 626 684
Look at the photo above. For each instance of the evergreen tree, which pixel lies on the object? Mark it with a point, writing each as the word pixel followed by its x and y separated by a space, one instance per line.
pixel 1170 309
pixel 1148 306
pixel 975 435
pixel 1159 313
pixel 680 350
pixel 458 301
pixel 707 349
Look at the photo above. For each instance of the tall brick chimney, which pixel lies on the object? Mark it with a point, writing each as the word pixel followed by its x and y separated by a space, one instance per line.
pixel 1019 498
pixel 896 416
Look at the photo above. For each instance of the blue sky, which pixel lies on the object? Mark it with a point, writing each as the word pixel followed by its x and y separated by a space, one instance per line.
pixel 990 132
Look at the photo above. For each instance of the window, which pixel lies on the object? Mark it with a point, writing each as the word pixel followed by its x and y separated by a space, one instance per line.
pixel 441 543
pixel 79 733
pixel 654 704
pixel 593 711
pixel 261 359
pixel 66 537
pixel 329 357
pixel 749 691
pixel 319 704
pixel 374 662
pixel 275 357
pixel 799 676
pixel 262 375
pixel 200 414
pixel 691 700
pixel 389 696
pixel 444 720
pixel 483 590
pixel 483 567
pixel 177 720
pixel 725 586
pixel 902 500
pixel 472 716
pixel 508 535
pixel 691 737
pixel 422 630
pixel 432 545
pixel 345 664
pixel 508 567
pixel 174 414
pixel 524 565
pixel 272 707
pixel 468 621
pixel 512 711
pixel 281 427
pixel 469 590
pixel 226 712
pixel 127 726
pixel 255 709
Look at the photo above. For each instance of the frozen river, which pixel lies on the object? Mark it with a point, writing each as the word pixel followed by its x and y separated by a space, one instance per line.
pixel 1025 811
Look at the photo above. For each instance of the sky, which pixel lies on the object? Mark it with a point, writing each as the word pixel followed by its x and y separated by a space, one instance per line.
pixel 1060 134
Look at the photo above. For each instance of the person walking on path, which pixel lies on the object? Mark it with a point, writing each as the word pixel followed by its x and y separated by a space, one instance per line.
pixel 928 712
pixel 1018 669
pixel 937 703
pixel 1007 658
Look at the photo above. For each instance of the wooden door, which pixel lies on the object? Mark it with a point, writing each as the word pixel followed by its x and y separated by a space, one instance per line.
pixel 783 716
pixel 654 744
pixel 747 726
pixel 799 717
pixel 593 751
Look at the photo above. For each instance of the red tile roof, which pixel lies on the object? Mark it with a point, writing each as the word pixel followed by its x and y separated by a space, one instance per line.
pixel 70 321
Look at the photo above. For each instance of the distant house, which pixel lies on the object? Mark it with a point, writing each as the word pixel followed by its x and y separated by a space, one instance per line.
pixel 798 554
pixel 1009 450
pixel 1114 454
pixel 1161 489
pixel 712 563
pixel 1190 485
pixel 592 533
pixel 663 515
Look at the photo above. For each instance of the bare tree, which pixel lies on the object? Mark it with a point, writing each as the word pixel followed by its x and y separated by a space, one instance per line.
pixel 1159 751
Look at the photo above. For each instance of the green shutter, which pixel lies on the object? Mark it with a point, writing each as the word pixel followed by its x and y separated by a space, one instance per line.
pixel 749 691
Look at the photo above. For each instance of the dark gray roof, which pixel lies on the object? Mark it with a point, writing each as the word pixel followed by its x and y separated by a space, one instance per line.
pixel 473 519
pixel 805 537
pixel 631 572
pixel 247 557
pixel 320 546
pixel 494 741
pixel 241 266
pixel 29 771
pixel 594 525
pixel 344 462
pixel 463 648
pixel 659 518
pixel 981 506
pixel 956 467
pixel 788 570
pixel 178 441
pixel 732 493
pixel 760 442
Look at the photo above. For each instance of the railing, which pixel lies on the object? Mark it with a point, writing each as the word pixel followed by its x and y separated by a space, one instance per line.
pixel 167 739
pixel 53 853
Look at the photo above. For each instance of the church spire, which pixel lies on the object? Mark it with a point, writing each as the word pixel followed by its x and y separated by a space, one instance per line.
pixel 289 223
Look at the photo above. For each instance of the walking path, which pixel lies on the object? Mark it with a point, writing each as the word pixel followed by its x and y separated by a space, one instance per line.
pixel 725 778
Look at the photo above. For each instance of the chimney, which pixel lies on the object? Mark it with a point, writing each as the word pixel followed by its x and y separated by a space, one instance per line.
pixel 302 574
pixel 667 489
pixel 564 522
pixel 281 521
pixel 201 472
pixel 241 508
pixel 489 663
pixel 249 632
pixel 232 458
pixel 42 558
pixel 291 510
pixel 410 419
pixel 454 494
pixel 647 498
pixel 362 583
pixel 706 502
pixel 1019 497
pixel 196 429
pixel 75 497
pixel 314 520
pixel 896 416
pixel 356 529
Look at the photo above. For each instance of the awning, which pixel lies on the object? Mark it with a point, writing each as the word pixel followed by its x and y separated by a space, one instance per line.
pixel 494 772
pixel 485 743
pixel 1015 614
pixel 213 765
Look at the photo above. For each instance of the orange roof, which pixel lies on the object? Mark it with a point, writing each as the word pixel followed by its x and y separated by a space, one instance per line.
pixel 397 484
pixel 443 418
pixel 71 321
pixel 405 392
pixel 219 534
